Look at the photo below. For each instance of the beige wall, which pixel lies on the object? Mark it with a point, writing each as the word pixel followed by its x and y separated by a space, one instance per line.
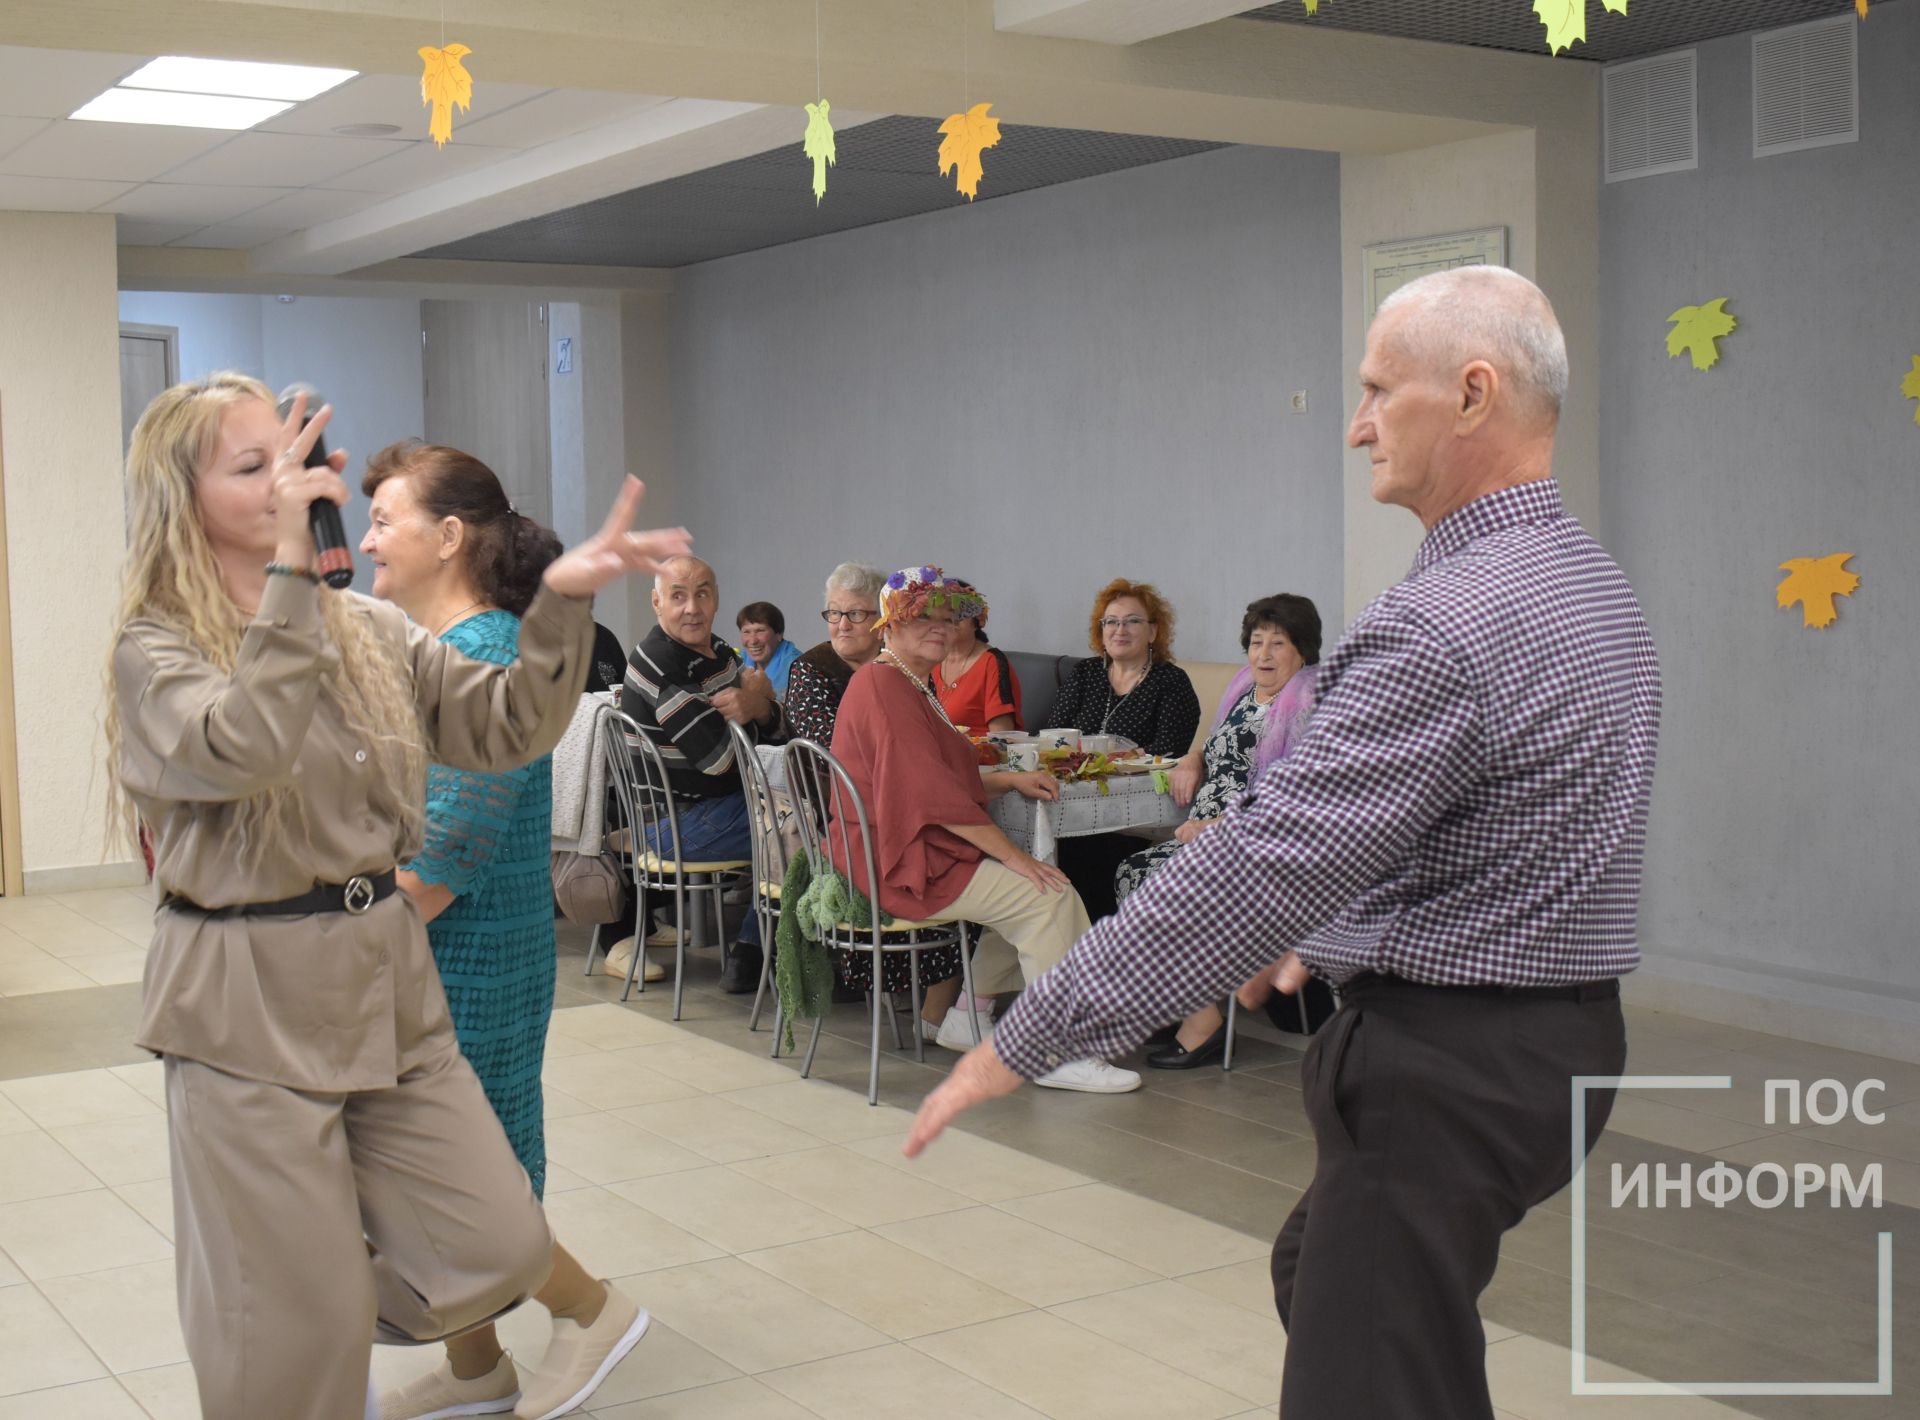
pixel 645 367
pixel 60 399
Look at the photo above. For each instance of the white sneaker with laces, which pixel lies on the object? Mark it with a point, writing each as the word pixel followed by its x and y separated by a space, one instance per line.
pixel 956 1033
pixel 1093 1077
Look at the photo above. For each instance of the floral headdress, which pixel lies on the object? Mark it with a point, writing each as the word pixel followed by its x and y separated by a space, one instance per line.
pixel 913 591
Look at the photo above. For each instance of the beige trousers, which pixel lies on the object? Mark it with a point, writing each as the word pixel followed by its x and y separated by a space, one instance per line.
pixel 305 1221
pixel 1031 929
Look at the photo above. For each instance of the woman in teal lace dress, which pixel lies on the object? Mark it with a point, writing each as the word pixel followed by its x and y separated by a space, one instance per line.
pixel 448 548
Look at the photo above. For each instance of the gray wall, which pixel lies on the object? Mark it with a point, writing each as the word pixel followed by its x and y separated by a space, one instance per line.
pixel 1041 392
pixel 1787 804
pixel 216 332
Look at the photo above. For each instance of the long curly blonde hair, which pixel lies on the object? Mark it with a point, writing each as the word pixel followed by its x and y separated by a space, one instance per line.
pixel 171 576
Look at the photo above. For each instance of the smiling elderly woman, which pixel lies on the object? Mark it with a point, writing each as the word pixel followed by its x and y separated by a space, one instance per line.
pixel 939 854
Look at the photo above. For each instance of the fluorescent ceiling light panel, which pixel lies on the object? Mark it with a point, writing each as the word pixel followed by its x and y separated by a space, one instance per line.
pixel 236 77
pixel 179 110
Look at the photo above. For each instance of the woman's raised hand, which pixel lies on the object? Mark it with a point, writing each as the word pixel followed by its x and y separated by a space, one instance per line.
pixel 617 549
pixel 297 487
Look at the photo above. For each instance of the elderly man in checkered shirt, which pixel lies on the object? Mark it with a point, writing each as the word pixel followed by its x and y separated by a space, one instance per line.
pixel 1457 844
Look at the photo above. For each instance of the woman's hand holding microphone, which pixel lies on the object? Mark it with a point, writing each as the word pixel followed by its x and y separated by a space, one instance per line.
pixel 296 487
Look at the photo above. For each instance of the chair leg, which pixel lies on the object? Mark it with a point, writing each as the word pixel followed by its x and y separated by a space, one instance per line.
pixel 680 906
pixel 914 1004
pixel 778 1020
pixel 966 985
pixel 1300 1000
pixel 639 952
pixel 766 967
pixel 1233 1007
pixel 893 1015
pixel 593 947
pixel 873 1067
pixel 806 1066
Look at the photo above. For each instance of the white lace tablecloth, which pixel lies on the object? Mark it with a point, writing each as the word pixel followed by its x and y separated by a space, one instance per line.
pixel 1131 801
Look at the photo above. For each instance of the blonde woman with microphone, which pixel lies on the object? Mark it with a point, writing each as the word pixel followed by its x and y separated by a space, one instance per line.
pixel 337 1171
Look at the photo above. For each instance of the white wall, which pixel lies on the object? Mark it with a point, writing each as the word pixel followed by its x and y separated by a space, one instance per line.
pixel 588 429
pixel 60 420
pixel 646 326
pixel 216 332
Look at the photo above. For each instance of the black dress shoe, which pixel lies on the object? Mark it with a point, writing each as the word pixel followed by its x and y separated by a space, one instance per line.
pixel 741 974
pixel 1177 1057
pixel 1166 1035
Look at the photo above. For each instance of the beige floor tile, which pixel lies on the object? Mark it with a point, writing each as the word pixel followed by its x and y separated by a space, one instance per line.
pixel 730 1210
pixel 710 1066
pixel 827 1110
pixel 120 1150
pixel 612 1027
pixel 1533 1379
pixel 13 1120
pixel 149 1078
pixel 41 1350
pixel 80 1232
pixel 663 1362
pixel 558 1104
pixel 607 1150
pixel 889 1287
pixel 169 1393
pixel 1678 1128
pixel 983 1170
pixel 152 1200
pixel 743 1399
pixel 80 1097
pixel 1212 1340
pixel 90 1400
pixel 613 1079
pixel 870 1385
pixel 750 1320
pixel 615 1237
pixel 1897 1136
pixel 851 1187
pixel 128 1315
pixel 561 1179
pixel 1248 1285
pixel 1015 1256
pixel 561 1047
pixel 10 1276
pixel 66 934
pixel 1900 1181
pixel 35 1166
pixel 718 1129
pixel 1143 1232
pixel 1496 1333
pixel 29 976
pixel 1071 1374
pixel 111 968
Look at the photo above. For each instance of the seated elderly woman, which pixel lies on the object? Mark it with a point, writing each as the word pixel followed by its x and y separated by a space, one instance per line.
pixel 1262 716
pixel 975 682
pixel 817 679
pixel 939 855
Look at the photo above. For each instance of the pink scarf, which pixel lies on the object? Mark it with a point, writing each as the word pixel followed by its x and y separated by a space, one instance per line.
pixel 1287 715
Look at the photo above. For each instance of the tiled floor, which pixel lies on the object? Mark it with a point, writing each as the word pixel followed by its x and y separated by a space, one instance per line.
pixel 1065 1256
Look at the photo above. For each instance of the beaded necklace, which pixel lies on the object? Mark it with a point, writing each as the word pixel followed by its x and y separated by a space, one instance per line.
pixel 922 686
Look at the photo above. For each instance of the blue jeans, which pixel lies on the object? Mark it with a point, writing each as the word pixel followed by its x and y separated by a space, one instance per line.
pixel 710 829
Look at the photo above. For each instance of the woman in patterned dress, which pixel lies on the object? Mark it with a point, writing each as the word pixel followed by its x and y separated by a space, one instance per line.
pixel 450 550
pixel 1262 716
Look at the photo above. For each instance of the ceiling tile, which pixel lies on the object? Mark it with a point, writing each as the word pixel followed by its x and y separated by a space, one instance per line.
pixel 38 194
pixel 15 131
pixel 135 233
pixel 129 152
pixel 192 202
pixel 391 98
pixel 421 165
pixel 52 83
pixel 558 114
pixel 233 236
pixel 283 159
pixel 314 204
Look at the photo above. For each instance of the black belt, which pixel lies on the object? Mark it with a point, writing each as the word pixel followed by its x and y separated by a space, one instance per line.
pixel 1601 990
pixel 355 896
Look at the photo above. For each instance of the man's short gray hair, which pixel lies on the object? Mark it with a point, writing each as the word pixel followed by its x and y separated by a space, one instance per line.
pixel 1486 313
pixel 670 568
pixel 857 579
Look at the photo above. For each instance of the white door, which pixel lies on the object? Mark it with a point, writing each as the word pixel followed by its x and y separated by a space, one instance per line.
pixel 149 364
pixel 486 392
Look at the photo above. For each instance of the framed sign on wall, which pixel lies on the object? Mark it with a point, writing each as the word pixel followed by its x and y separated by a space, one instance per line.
pixel 1391 265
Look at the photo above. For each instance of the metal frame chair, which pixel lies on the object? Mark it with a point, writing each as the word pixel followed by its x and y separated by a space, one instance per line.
pixel 769 858
pixel 824 794
pixel 645 796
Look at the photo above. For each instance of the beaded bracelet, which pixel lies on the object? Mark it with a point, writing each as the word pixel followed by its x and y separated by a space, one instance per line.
pixel 282 569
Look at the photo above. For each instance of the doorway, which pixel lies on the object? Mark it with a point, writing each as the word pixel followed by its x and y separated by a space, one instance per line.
pixel 149 364
pixel 484 364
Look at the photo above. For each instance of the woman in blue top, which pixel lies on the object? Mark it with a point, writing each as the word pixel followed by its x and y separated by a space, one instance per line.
pixel 452 552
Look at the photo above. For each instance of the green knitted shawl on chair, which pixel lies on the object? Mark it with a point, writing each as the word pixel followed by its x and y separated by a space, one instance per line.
pixel 802 968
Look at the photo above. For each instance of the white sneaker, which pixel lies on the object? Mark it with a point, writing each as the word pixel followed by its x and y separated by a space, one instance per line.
pixel 438 1395
pixel 1093 1077
pixel 956 1033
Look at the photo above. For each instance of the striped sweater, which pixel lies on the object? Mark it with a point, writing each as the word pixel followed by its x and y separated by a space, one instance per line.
pixel 668 692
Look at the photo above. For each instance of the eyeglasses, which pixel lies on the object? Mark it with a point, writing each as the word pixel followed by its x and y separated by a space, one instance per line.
pixel 1114 623
pixel 856 618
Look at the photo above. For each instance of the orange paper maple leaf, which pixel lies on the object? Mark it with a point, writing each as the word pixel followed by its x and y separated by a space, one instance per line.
pixel 1861 6
pixel 443 83
pixel 965 136
pixel 1814 582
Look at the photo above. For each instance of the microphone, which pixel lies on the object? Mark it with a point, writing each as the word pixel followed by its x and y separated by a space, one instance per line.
pixel 331 557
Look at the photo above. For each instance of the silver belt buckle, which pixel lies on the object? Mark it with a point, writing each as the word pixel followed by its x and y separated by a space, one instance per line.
pixel 358 896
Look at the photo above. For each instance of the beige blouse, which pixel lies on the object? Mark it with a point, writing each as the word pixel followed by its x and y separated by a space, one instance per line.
pixel 328 1001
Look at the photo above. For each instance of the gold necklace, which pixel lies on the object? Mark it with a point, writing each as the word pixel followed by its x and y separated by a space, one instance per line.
pixel 449 621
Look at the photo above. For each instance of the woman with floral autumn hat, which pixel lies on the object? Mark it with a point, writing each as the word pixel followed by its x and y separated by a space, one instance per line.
pixel 939 854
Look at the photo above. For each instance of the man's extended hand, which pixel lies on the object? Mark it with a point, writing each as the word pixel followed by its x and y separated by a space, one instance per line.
pixel 1288 976
pixel 748 703
pixel 978 1077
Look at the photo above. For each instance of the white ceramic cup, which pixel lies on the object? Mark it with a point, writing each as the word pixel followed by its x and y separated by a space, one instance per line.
pixel 1063 737
pixel 1024 756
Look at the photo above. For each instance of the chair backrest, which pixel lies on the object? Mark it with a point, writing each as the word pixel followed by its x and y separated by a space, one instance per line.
pixel 827 801
pixel 638 777
pixel 763 811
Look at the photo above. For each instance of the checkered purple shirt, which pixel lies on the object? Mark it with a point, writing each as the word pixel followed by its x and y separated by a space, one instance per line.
pixel 1469 804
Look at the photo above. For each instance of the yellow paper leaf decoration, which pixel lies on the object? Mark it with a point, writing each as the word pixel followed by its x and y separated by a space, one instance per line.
pixel 819 147
pixel 1313 6
pixel 1861 7
pixel 443 83
pixel 1910 386
pixel 1697 329
pixel 966 136
pixel 1566 20
pixel 1814 582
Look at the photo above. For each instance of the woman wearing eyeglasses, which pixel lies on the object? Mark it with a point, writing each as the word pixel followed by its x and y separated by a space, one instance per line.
pixel 1129 686
pixel 819 678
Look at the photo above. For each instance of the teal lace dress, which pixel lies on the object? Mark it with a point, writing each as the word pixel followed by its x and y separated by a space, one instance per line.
pixel 487 839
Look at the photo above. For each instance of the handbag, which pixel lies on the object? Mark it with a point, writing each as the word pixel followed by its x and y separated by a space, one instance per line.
pixel 590 888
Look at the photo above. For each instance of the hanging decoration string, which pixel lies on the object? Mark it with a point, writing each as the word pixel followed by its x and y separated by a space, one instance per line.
pixel 966 134
pixel 817 143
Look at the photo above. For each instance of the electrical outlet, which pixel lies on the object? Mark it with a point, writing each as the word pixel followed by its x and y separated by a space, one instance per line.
pixel 1299 401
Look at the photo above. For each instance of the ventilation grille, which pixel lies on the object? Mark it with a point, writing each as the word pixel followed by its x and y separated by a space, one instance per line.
pixel 1650 125
pixel 1806 87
